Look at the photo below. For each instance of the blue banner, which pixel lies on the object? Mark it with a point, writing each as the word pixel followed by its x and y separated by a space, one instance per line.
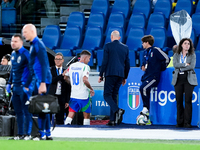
pixel 99 105
pixel 162 104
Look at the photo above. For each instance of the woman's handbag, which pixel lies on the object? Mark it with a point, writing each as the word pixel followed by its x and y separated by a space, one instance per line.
pixel 44 104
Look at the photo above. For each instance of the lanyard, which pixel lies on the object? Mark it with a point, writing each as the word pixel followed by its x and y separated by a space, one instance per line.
pixel 183 58
pixel 148 54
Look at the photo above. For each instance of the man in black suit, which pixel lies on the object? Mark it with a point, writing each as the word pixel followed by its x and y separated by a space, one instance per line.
pixel 59 87
pixel 115 68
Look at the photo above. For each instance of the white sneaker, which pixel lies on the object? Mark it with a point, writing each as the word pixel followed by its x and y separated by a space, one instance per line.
pixel 27 137
pixel 145 110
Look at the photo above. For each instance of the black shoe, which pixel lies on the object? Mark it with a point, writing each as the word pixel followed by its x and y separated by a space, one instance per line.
pixel 119 116
pixel 38 137
pixel 179 125
pixel 49 138
pixel 18 137
pixel 111 123
pixel 187 125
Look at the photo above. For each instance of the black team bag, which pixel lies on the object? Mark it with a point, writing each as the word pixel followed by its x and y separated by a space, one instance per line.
pixel 44 104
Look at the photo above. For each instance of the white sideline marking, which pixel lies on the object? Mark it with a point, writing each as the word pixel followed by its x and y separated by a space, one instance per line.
pixel 118 133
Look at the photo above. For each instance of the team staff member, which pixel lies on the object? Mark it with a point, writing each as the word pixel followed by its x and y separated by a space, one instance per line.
pixel 184 81
pixel 59 87
pixel 39 68
pixel 77 74
pixel 115 68
pixel 151 66
pixel 18 76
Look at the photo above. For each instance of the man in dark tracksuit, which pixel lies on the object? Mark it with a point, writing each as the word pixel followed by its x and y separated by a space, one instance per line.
pixel 115 67
pixel 39 68
pixel 18 77
pixel 152 66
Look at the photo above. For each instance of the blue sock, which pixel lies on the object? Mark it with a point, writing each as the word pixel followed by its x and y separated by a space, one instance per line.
pixel 48 132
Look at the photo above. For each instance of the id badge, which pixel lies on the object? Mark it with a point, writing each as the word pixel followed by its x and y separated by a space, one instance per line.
pixel 146 66
pixel 181 72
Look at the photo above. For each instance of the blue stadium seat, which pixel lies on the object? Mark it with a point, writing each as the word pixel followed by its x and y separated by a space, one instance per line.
pixel 137 20
pixel 8 21
pixel 170 53
pixel 197 7
pixel 170 39
pixel 97 20
pixel 77 19
pixel 122 6
pixel 71 41
pixel 193 37
pixel 92 42
pixel 156 20
pixel 51 36
pixel 187 5
pixel 197 59
pixel 160 37
pixel 100 6
pixel 164 6
pixel 142 6
pixel 134 38
pixel 116 20
pixel 196 23
pixel 198 46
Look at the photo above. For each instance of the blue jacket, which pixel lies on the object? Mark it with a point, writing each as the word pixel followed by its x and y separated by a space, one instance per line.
pixel 20 71
pixel 115 60
pixel 153 57
pixel 39 62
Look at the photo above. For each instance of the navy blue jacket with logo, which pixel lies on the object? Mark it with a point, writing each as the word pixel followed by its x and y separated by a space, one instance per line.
pixel 153 56
pixel 20 70
pixel 39 63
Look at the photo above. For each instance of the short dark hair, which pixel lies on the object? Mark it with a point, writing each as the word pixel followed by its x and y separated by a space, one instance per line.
pixel 59 53
pixel 149 39
pixel 7 56
pixel 85 52
pixel 191 49
pixel 18 35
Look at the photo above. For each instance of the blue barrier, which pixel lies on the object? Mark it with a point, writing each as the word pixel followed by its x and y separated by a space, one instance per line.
pixel 99 106
pixel 162 104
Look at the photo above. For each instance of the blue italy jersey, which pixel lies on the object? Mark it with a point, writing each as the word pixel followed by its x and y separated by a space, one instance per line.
pixel 20 71
pixel 39 63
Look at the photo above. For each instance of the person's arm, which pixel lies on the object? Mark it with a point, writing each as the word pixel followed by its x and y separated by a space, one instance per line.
pixel 176 62
pixel 86 82
pixel 192 65
pixel 55 77
pixel 104 62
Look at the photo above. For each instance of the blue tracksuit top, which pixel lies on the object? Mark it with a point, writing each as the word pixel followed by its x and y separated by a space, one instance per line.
pixel 20 71
pixel 153 57
pixel 39 62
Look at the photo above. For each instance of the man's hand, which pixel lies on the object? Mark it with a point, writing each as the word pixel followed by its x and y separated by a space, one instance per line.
pixel 66 105
pixel 123 82
pixel 100 79
pixel 91 92
pixel 63 74
pixel 42 88
pixel 143 68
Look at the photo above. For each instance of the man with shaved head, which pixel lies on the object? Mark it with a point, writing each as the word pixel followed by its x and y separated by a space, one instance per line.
pixel 39 68
pixel 115 68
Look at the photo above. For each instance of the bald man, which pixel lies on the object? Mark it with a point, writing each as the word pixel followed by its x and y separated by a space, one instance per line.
pixel 39 68
pixel 115 68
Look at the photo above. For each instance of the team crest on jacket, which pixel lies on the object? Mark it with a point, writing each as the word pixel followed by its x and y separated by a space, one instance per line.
pixel 133 96
pixel 19 59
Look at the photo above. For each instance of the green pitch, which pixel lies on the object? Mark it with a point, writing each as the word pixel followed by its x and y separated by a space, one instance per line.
pixel 99 144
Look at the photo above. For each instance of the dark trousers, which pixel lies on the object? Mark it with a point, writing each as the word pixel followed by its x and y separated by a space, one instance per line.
pixel 19 99
pixel 60 115
pixel 111 89
pixel 184 115
pixel 145 90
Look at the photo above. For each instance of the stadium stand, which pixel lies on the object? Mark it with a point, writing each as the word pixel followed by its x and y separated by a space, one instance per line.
pixel 137 20
pixel 71 41
pixel 122 6
pixel 142 6
pixel 187 5
pixel 164 6
pixel 196 23
pixel 97 19
pixel 51 36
